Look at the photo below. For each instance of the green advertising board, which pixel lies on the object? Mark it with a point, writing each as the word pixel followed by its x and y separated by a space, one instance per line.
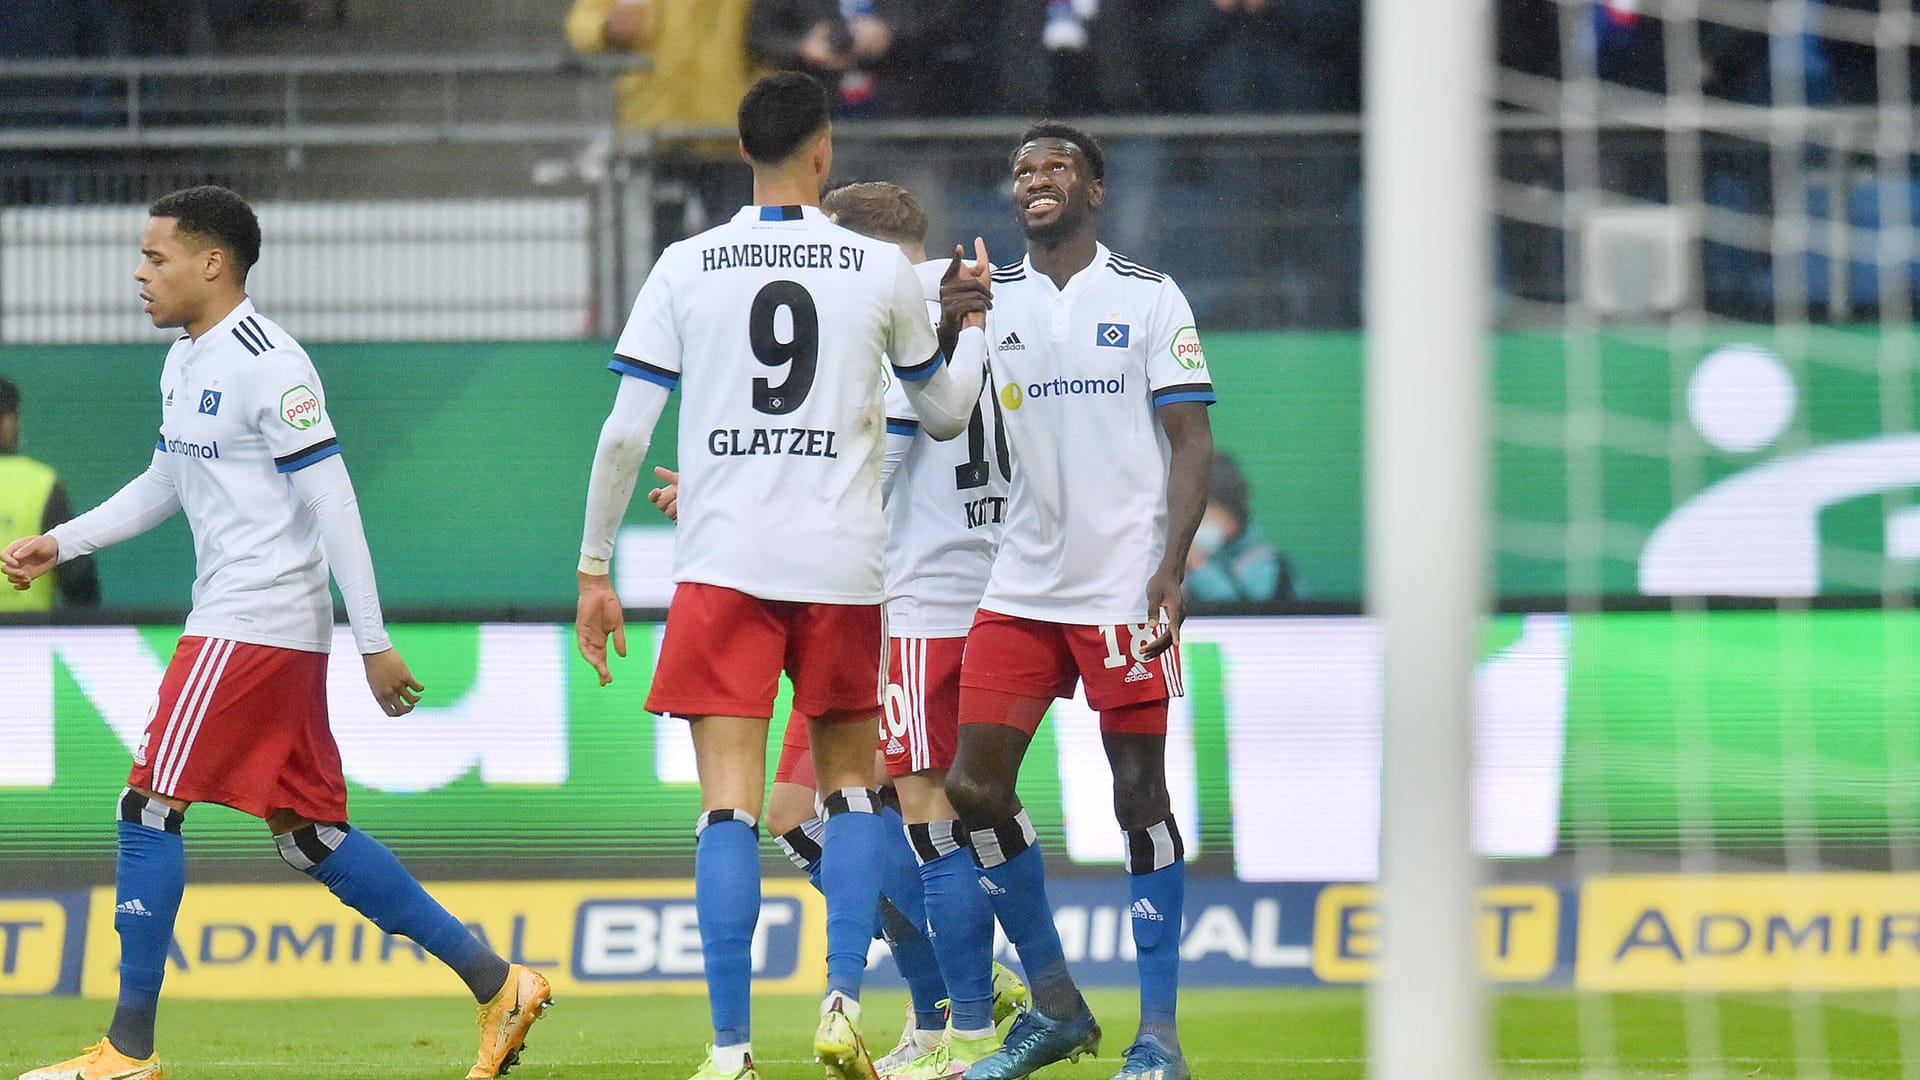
pixel 1721 730
pixel 1741 461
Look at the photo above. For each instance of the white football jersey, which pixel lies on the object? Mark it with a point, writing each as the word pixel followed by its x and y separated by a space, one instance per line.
pixel 945 509
pixel 1080 373
pixel 242 408
pixel 772 326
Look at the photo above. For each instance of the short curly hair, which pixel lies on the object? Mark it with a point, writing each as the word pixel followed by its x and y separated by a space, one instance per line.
pixel 218 217
pixel 1066 133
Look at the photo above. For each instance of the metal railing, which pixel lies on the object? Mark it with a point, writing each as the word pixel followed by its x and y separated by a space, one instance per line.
pixel 146 102
pixel 1258 217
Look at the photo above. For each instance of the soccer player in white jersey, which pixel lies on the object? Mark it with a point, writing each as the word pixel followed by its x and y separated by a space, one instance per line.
pixel 774 325
pixel 1105 394
pixel 944 506
pixel 247 450
pixel 944 503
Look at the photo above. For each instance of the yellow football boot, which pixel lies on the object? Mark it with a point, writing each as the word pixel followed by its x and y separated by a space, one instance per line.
pixel 100 1062
pixel 505 1019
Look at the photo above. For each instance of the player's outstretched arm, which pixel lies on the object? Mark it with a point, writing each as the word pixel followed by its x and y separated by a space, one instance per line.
pixel 945 388
pixel 624 439
pixel 145 501
pixel 1190 437
pixel 326 490
pixel 29 557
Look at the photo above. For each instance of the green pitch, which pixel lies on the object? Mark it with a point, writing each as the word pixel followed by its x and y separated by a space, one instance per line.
pixel 1229 1034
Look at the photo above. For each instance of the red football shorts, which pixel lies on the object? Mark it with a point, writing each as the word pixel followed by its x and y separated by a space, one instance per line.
pixel 724 652
pixel 796 754
pixel 1035 659
pixel 921 724
pixel 244 726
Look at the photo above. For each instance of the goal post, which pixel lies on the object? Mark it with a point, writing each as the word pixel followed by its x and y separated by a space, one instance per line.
pixel 1426 287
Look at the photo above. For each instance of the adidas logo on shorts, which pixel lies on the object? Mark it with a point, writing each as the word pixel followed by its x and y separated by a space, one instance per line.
pixel 1138 673
pixel 894 747
pixel 133 907
pixel 990 888
pixel 1143 909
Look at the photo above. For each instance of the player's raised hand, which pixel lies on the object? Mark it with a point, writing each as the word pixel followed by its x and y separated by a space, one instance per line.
pixel 966 292
pixel 29 557
pixel 981 271
pixel 393 685
pixel 596 619
pixel 1164 612
pixel 666 497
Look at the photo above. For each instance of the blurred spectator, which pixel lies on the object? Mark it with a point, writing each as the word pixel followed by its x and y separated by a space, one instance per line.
pixel 174 28
pixel 950 57
pixel 31 502
pixel 52 30
pixel 697 74
pixel 1230 561
pixel 1270 56
pixel 839 42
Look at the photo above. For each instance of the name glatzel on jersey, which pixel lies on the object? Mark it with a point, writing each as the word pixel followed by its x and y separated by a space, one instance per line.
pixel 1081 373
pixel 794 442
pixel 782 257
pixel 773 326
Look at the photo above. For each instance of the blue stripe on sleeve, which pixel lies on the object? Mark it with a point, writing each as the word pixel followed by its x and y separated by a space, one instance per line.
pixel 653 375
pixel 1205 397
pixel 902 427
pixel 922 371
pixel 318 454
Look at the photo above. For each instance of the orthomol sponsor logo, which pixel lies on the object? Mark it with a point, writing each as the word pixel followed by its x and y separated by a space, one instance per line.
pixel 207 451
pixel 1750 932
pixel 296 940
pixel 1013 395
pixel 1519 932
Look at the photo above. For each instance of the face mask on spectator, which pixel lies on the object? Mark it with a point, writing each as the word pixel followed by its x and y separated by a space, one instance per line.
pixel 1208 537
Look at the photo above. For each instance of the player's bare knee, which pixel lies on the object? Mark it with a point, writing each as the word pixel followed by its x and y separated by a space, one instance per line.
pixel 138 806
pixel 978 799
pixel 1141 803
pixel 306 846
pixel 789 807
pixel 285 821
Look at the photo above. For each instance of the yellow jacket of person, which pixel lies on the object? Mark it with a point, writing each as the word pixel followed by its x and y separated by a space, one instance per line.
pixel 32 501
pixel 699 69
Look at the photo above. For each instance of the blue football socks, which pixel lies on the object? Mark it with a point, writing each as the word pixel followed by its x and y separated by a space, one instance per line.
pixel 1157 885
pixel 852 846
pixel 959 920
pixel 726 874
pixel 1016 877
pixel 150 873
pixel 369 879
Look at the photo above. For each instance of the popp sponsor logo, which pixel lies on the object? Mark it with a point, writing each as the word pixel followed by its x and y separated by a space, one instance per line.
pixel 300 408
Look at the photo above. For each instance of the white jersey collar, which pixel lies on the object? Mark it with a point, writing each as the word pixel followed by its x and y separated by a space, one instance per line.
pixel 1079 280
pixel 240 311
pixel 753 213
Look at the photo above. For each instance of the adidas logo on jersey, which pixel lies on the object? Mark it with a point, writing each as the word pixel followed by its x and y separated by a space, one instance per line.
pixel 1143 909
pixel 990 888
pixel 1011 343
pixel 134 907
pixel 1138 673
